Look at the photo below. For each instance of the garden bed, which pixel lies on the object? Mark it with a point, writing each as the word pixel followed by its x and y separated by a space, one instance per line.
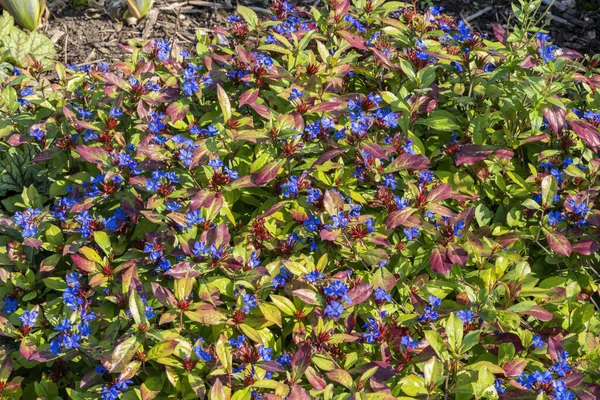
pixel 87 35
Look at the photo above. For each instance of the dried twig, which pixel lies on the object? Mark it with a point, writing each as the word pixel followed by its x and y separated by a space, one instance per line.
pixel 479 13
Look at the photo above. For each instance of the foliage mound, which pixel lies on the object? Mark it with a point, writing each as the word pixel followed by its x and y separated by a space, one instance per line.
pixel 360 201
pixel 20 48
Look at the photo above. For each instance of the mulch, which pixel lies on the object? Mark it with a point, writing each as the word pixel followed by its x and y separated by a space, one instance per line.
pixel 86 35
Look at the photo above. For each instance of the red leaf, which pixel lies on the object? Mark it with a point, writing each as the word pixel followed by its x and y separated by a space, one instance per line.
pixel 163 295
pixel 587 132
pixel 529 62
pixel 558 242
pixel 177 111
pixel 439 262
pixel 586 247
pixel 539 313
pixel 262 110
pixel 355 41
pixel 573 379
pixel 84 264
pixel 298 393
pixel 328 155
pixel 499 32
pixel 555 349
pixel 95 155
pixel 410 161
pixel 308 296
pixel 556 117
pixel 330 235
pixel 457 254
pixel 268 173
pixel 440 193
pixel 46 155
pixel 515 367
pixel 248 97
pixel 325 106
pixel 301 360
pixel 333 202
pixel 397 218
pixel 570 54
pixel 471 154
pixel 16 140
pixel 360 293
pixel 374 150
pixel 315 380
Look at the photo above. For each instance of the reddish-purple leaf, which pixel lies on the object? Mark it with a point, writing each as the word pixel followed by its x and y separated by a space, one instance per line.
pixel 315 380
pixel 439 262
pixel 374 150
pixel 308 296
pixel 556 117
pixel 360 293
pixel 555 349
pixel 558 242
pixel 586 247
pixel 409 161
pixel 329 235
pixel 268 173
pixel 457 255
pixel 397 218
pixel 573 379
pixel 262 110
pixel 84 264
pixel 570 54
pixel 471 154
pixel 95 155
pixel 529 62
pixel 177 111
pixel 515 367
pixel 355 41
pixel 46 154
pixel 440 193
pixel 248 97
pixel 164 295
pixel 586 132
pixel 301 360
pixel 328 155
pixel 16 140
pixel 326 106
pixel 333 202
pixel 499 32
pixel 539 313
pixel 504 154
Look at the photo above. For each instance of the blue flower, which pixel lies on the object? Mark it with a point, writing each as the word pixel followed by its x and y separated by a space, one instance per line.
pixel 10 305
pixel 28 318
pixel 312 223
pixel 201 354
pixel 313 195
pixel 545 49
pixel 555 217
pixel 411 233
pixel 314 276
pixel 337 289
pixel 458 228
pixel 537 342
pixel 156 124
pixel 372 333
pixel 434 301
pixel 464 32
pixel 355 23
pixel 340 220
pixel 294 94
pixel 284 359
pixel 466 316
pixel 254 260
pixel 457 66
pixel 239 342
pixel 489 67
pixel 265 353
pixel 249 302
pixel 334 310
pixel 408 342
pixel 498 386
pixel 290 188
pixel 281 278
pixel 27 221
pixel 382 296
pixel 428 315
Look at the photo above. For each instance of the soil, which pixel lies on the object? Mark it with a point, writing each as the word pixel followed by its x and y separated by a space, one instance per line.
pixel 86 35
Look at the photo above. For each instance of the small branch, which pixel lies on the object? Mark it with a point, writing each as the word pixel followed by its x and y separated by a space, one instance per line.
pixel 479 13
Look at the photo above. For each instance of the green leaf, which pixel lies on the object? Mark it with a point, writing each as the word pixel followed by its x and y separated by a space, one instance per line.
pixel 249 15
pixel 440 120
pixel 137 308
pixel 284 304
pixel 16 169
pixel 454 331
pixel 549 189
pixel 469 341
pixel 103 240
pixel 437 344
pixel 224 103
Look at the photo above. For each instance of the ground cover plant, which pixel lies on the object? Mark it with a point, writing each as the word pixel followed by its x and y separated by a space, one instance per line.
pixel 357 201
